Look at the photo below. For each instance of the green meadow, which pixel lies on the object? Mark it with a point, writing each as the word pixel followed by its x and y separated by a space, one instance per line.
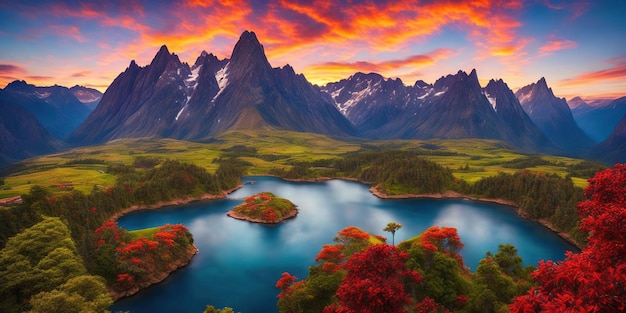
pixel 85 167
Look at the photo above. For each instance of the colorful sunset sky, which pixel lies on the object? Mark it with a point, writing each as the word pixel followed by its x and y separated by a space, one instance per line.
pixel 578 46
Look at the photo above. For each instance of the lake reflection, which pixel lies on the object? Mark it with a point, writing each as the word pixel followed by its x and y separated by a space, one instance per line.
pixel 239 262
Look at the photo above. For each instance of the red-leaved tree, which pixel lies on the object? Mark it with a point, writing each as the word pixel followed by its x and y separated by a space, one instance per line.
pixel 375 281
pixel 595 279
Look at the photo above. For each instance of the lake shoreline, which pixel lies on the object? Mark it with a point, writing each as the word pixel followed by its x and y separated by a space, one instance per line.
pixel 449 194
pixel 193 250
pixel 160 277
pixel 238 216
pixel 174 202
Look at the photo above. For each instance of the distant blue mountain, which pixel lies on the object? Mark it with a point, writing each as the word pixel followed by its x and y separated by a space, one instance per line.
pixel 599 122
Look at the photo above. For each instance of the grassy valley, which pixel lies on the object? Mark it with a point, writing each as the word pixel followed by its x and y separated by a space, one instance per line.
pixel 82 168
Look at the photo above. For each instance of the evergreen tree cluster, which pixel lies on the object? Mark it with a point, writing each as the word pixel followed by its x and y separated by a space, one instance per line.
pixel 540 196
pixel 397 172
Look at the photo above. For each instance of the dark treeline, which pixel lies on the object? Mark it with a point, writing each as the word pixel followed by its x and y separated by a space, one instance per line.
pixel 394 171
pixel 541 196
pixel 585 169
pixel 86 212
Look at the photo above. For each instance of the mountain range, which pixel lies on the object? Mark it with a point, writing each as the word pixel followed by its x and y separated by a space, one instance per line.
pixel 455 106
pixel 599 121
pixel 170 98
pixel 57 108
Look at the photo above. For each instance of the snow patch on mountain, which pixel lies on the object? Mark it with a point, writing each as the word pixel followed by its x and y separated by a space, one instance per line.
pixel 523 98
pixel 192 81
pixel 181 111
pixel 356 97
pixel 422 97
pixel 492 100
pixel 222 80
pixel 42 95
pixel 336 93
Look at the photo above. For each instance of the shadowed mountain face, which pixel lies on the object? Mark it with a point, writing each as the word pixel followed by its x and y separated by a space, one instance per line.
pixel 522 131
pixel 599 122
pixel 613 149
pixel 21 135
pixel 56 107
pixel 454 106
pixel 171 99
pixel 553 116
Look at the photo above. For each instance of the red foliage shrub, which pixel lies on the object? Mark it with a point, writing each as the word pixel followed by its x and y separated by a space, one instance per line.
pixel 595 279
pixel 330 253
pixel 353 232
pixel 126 280
pixel 284 284
pixel 375 281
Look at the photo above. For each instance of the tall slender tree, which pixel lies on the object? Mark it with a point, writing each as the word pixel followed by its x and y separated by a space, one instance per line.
pixel 392 227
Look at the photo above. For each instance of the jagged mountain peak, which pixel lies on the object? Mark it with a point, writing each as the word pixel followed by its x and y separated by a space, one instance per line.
pixel 471 80
pixel 163 50
pixel 204 56
pixel 289 69
pixel 542 84
pixel 248 57
pixel 553 116
pixel 20 86
pixel 538 90
pixel 473 74
pixel 163 55
pixel 132 65
pixel 248 49
pixel 420 84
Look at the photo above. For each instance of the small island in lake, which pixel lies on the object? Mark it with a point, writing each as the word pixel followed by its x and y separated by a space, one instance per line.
pixel 264 207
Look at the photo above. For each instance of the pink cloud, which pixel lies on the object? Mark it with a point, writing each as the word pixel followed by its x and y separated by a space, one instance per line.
pixel 11 69
pixel 617 72
pixel 556 45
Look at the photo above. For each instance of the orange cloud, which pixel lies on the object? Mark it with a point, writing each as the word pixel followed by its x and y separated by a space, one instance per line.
pixel 301 31
pixel 556 45
pixel 333 71
pixel 617 72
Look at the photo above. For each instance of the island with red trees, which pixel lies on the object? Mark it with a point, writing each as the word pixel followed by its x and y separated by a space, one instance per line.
pixel 264 207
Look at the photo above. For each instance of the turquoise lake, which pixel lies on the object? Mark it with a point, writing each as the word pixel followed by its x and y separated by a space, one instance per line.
pixel 239 262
